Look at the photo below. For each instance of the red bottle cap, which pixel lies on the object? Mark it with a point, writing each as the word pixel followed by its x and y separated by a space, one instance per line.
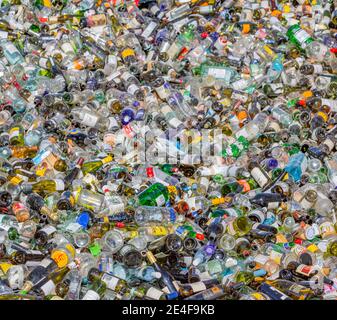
pixel 200 236
pixel 150 172
pixel 298 241
pixel 120 225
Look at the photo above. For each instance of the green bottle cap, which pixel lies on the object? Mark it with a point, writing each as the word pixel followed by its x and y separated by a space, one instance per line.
pixel 95 249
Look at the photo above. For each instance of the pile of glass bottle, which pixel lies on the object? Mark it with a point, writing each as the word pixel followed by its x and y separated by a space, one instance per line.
pixel 83 84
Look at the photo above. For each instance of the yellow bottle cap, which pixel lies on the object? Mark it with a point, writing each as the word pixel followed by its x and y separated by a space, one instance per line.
pixel 5 266
pixel 286 8
pixel 60 257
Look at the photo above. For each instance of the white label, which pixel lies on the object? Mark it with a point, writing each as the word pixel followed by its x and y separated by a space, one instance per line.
pixel 162 92
pixel 45 263
pixel 66 47
pixel 160 200
pixel 89 120
pixel 219 73
pixel 59 184
pixel 132 89
pixel 91 295
pixel 198 286
pixel 305 204
pixel 35 252
pixel 111 281
pixel 259 177
pixel 10 48
pixel 149 29
pixel 205 9
pixel 154 293
pixel 261 259
pixel 48 287
pixel 49 229
pixel 73 227
pixel 173 50
pixel 330 103
pixel 3 34
pixel 302 36
pixel 329 143
pixel 14 133
pixel 175 123
pixel 318 68
pixel 125 76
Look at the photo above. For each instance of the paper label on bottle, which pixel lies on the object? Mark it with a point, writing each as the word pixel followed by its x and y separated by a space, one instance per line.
pixel 219 73
pixel 261 259
pixel 73 227
pixel 198 286
pixel 3 34
pixel 304 269
pixel 132 89
pixel 89 120
pixel 160 200
pixel 305 204
pixel 191 203
pixel 330 103
pixel 149 29
pixel 49 229
pixel 302 36
pixel 318 68
pixel 326 229
pixel 259 177
pixel 45 263
pixel 48 287
pixel 111 281
pixel 173 50
pixel 59 184
pixel 66 47
pixel 154 293
pixel 162 92
pixel 276 256
pixel 91 295
pixel 175 123
pixel 14 132
pixel 298 250
pixel 126 76
pixel 10 48
pixel 35 252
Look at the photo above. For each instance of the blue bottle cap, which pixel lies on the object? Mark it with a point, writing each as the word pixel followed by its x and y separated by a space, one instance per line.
pixel 172 295
pixel 83 219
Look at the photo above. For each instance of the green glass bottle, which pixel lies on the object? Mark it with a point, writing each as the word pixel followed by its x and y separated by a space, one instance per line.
pixel 96 291
pixel 156 195
pixel 232 187
pixel 236 149
pixel 44 186
pixel 16 135
pixel 239 227
pixel 111 282
pixel 93 166
pixel 298 36
pixel 244 276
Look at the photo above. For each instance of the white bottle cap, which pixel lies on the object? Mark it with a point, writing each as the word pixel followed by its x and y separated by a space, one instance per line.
pixel 156 275
pixel 196 261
